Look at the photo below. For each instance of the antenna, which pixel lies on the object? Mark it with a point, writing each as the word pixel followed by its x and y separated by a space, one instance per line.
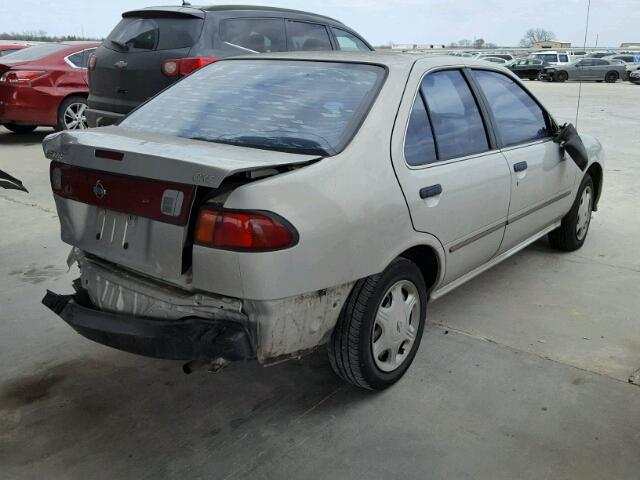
pixel 586 32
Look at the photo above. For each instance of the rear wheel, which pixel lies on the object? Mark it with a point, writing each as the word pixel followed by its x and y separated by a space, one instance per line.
pixel 562 77
pixel 20 129
pixel 611 77
pixel 72 114
pixel 573 231
pixel 380 327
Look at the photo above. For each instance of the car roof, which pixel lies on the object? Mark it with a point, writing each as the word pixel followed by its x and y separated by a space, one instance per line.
pixel 195 9
pixel 387 59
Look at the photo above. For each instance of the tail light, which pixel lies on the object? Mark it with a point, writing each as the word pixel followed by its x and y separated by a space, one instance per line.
pixel 243 231
pixel 93 60
pixel 185 66
pixel 21 78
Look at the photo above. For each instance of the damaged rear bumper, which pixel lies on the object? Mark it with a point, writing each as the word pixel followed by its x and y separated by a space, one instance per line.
pixel 184 339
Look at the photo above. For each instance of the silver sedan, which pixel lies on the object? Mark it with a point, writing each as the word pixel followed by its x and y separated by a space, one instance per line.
pixel 595 69
pixel 266 206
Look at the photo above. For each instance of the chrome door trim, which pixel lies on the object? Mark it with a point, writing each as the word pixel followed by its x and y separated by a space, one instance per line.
pixel 535 208
pixel 477 237
pixel 440 292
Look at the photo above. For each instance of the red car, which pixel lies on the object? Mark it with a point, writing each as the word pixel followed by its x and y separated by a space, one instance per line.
pixel 45 85
pixel 7 48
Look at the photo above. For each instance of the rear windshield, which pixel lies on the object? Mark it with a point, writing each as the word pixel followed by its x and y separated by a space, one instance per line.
pixel 34 53
pixel 295 106
pixel 154 33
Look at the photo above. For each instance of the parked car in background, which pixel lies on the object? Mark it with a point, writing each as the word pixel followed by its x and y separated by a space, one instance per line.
pixel 631 62
pixel 527 67
pixel 595 69
pixel 45 85
pixel 498 60
pixel 552 57
pixel 254 210
pixel 152 48
pixel 483 56
pixel 634 77
pixel 7 48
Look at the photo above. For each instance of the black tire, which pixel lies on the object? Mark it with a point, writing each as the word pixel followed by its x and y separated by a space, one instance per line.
pixel 566 236
pixel 351 346
pixel 63 108
pixel 534 77
pixel 562 76
pixel 611 77
pixel 20 129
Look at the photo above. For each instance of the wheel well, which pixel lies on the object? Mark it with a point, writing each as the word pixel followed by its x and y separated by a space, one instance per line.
pixel 427 261
pixel 595 172
pixel 84 95
pixel 614 72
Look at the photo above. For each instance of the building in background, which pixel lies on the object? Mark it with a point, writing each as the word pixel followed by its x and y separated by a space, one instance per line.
pixel 554 44
pixel 634 45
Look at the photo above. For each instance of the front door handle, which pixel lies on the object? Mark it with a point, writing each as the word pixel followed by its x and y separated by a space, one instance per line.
pixel 520 166
pixel 432 191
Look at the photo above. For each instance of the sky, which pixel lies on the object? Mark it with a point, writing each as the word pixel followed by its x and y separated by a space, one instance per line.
pixel 502 22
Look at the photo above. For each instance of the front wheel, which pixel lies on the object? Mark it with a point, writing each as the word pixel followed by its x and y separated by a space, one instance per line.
pixel 72 114
pixel 380 327
pixel 20 129
pixel 573 231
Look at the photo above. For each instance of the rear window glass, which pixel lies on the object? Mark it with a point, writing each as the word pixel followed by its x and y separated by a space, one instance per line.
pixel 258 35
pixel 296 106
pixel 81 59
pixel 155 33
pixel 35 53
pixel 348 42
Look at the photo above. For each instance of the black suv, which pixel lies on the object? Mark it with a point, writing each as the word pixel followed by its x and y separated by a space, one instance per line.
pixel 152 48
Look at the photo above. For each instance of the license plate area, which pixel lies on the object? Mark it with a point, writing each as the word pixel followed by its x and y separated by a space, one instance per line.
pixel 139 243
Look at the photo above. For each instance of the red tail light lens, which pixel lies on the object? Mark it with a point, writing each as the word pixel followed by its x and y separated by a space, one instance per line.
pixel 244 231
pixel 185 66
pixel 21 78
pixel 93 60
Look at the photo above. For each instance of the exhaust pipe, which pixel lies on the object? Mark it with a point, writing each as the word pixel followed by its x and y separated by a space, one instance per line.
pixel 213 366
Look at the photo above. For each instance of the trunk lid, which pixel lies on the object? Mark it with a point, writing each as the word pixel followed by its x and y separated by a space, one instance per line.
pixel 130 197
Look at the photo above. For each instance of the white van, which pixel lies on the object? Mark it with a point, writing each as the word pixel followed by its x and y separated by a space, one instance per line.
pixel 552 57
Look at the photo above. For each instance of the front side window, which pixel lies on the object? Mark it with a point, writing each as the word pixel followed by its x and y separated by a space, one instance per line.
pixel 454 114
pixel 518 117
pixel 419 146
pixel 349 42
pixel 290 106
pixel 258 35
pixel 307 36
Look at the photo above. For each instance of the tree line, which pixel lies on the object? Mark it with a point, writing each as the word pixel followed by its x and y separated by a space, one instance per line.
pixel 42 36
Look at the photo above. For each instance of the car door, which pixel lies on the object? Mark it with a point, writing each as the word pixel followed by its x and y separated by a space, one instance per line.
pixel 455 181
pixel 600 69
pixel 585 70
pixel 541 178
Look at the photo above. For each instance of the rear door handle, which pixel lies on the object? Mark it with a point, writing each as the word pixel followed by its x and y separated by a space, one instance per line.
pixel 432 191
pixel 520 166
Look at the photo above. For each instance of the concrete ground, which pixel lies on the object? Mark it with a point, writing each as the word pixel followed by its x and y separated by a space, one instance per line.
pixel 522 373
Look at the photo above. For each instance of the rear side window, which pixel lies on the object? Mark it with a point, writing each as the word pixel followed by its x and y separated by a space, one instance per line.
pixel 419 147
pixel 167 33
pixel 455 117
pixel 600 63
pixel 349 42
pixel 518 117
pixel 35 53
pixel 307 36
pixel 80 59
pixel 259 35
pixel 564 58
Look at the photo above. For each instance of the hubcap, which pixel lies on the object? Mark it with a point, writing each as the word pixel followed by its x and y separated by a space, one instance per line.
pixel 74 117
pixel 584 213
pixel 395 326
